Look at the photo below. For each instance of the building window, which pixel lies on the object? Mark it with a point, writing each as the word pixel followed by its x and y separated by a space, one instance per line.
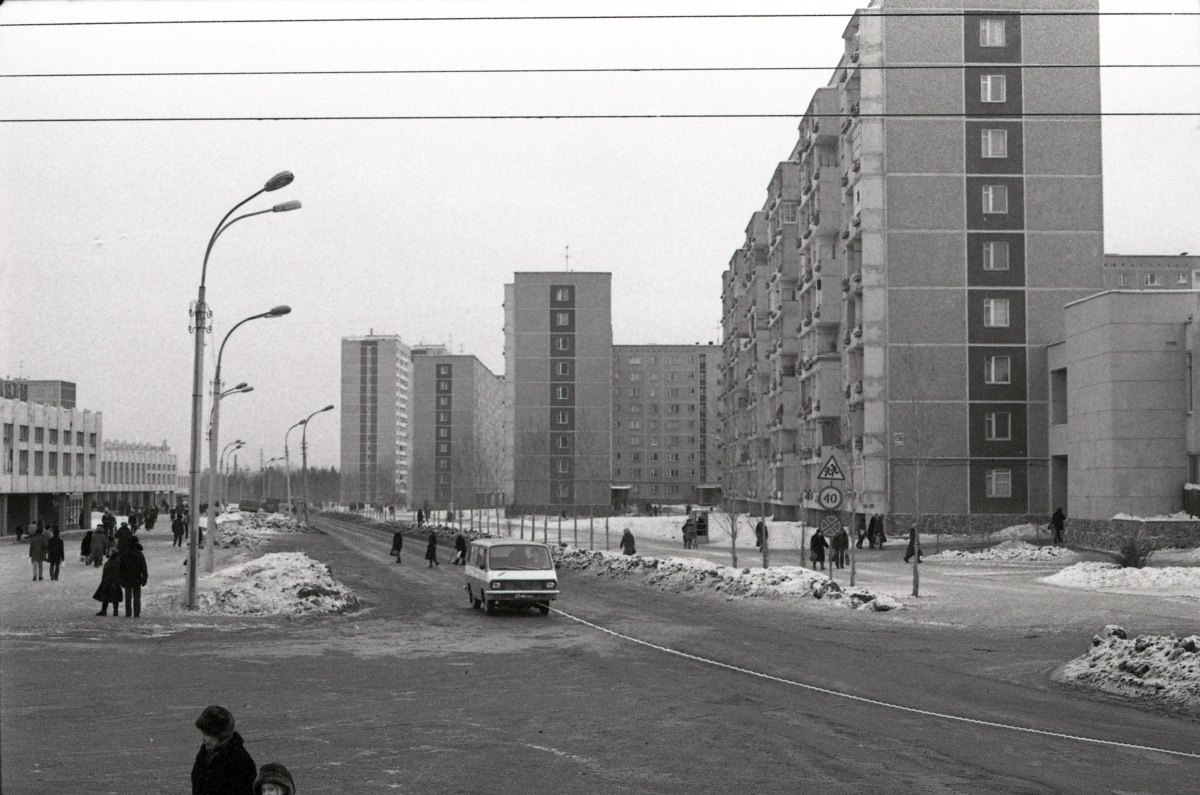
pixel 562 319
pixel 995 143
pixel 995 255
pixel 1122 279
pixel 564 466
pixel 443 371
pixel 562 293
pixel 39 435
pixel 1181 279
pixel 998 426
pixel 79 441
pixel 995 199
pixel 635 425
pixel 564 442
pixel 562 392
pixel 22 462
pixel 443 448
pixel 563 368
pixel 1153 280
pixel 37 462
pixel 52 464
pixel 635 359
pixel 443 463
pixel 563 418
pixel 564 489
pixel 562 343
pixel 635 378
pixel 992 88
pixel 443 402
pixel 443 433
pixel 991 33
pixel 997 370
pixel 995 312
pixel 24 433
pixel 999 483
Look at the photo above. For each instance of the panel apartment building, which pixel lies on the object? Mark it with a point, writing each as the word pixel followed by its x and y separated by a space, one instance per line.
pixel 892 301
pixel 375 434
pixel 457 433
pixel 665 429
pixel 558 376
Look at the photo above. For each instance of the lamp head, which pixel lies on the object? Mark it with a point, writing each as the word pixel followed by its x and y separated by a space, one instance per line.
pixel 280 180
pixel 279 311
pixel 287 206
pixel 241 385
pixel 328 408
pixel 246 389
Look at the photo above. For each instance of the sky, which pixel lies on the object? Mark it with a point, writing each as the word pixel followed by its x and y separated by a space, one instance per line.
pixel 412 227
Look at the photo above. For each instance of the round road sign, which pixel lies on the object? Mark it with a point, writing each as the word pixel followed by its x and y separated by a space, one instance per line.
pixel 830 526
pixel 830 498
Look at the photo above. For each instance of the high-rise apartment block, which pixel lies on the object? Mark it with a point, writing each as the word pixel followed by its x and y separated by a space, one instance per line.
pixel 558 377
pixel 665 435
pixel 892 302
pixel 376 386
pixel 458 433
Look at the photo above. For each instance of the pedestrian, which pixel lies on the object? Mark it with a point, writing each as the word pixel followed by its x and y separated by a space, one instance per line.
pixel 274 779
pixel 85 547
pixel 133 576
pixel 84 519
pixel 420 517
pixel 689 534
pixel 20 531
pixel 397 543
pixel 460 549
pixel 838 545
pixel 177 531
pixel 98 550
pixel 628 547
pixel 861 531
pixel 37 552
pixel 880 536
pixel 816 550
pixel 914 546
pixel 55 553
pixel 151 517
pixel 110 585
pixel 431 550
pixel 760 533
pixel 123 534
pixel 223 766
pixel 450 516
pixel 1056 524
pixel 108 521
pixel 872 530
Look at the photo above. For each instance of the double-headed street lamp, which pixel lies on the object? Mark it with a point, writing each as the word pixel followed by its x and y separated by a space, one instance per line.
pixel 304 455
pixel 266 473
pixel 287 462
pixel 200 323
pixel 224 495
pixel 278 311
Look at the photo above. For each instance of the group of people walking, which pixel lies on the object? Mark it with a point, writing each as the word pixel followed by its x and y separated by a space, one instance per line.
pixel 431 549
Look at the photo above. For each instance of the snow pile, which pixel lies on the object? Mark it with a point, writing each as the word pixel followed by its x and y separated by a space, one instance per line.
pixel 1164 669
pixel 272 523
pixel 1012 551
pixel 247 531
pixel 1183 580
pixel 289 583
pixel 1178 516
pixel 691 574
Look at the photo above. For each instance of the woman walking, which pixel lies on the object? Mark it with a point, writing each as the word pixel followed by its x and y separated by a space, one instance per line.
pixel 110 585
pixel 37 552
pixel 628 547
pixel 55 553
pixel 431 550
pixel 397 544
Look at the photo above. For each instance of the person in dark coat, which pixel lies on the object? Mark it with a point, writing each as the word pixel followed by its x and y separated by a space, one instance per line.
pixel 110 585
pixel 872 530
pixel 816 550
pixel 108 521
pixel 397 544
pixel 840 546
pixel 420 518
pixel 177 531
pixel 123 535
pixel 628 546
pixel 223 766
pixel 460 549
pixel 914 546
pixel 85 547
pixel 37 552
pixel 98 549
pixel 151 517
pixel 760 533
pixel 55 553
pixel 1056 524
pixel 274 779
pixel 431 550
pixel 133 576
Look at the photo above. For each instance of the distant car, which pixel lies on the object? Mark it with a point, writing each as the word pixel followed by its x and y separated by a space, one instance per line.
pixel 248 506
pixel 503 572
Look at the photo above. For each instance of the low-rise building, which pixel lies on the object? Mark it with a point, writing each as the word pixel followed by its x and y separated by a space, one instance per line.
pixel 136 474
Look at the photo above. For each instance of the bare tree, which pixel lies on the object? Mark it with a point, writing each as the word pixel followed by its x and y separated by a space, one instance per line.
pixel 727 522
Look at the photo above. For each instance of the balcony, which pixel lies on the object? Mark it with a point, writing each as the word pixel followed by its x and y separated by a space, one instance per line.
pixel 854 110
pixel 857 166
pixel 845 285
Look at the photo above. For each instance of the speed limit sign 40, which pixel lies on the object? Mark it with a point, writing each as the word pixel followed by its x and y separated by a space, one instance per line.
pixel 830 498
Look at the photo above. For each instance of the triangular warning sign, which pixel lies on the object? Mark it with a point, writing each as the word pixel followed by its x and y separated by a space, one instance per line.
pixel 831 471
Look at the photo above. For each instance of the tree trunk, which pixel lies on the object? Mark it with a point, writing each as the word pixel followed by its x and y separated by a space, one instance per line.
pixel 916 559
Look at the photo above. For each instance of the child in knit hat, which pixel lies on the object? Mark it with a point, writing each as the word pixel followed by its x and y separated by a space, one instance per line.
pixel 274 779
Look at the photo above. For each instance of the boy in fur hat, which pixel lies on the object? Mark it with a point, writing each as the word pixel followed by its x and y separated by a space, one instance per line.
pixel 274 779
pixel 222 766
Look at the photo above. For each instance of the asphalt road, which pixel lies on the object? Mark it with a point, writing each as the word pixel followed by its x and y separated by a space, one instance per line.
pixel 417 692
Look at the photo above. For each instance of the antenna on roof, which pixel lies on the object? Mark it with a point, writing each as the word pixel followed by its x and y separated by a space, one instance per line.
pixel 567 260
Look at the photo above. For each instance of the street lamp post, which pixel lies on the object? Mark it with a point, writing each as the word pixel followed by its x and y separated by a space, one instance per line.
pixel 304 455
pixel 223 491
pixel 287 461
pixel 200 323
pixel 278 311
pixel 266 475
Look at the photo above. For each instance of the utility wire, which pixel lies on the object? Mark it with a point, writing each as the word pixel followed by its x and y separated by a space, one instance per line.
pixel 582 70
pixel 866 13
pixel 594 116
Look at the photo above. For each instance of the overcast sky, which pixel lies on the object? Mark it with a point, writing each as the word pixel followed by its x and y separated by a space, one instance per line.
pixel 413 227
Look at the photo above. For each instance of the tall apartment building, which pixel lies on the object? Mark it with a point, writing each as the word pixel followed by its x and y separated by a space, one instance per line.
pixel 375 433
pixel 50 393
pixel 558 376
pixel 944 217
pixel 457 433
pixel 665 430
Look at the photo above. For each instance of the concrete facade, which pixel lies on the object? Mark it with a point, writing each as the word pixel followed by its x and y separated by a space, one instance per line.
pixel 457 433
pixel 51 393
pixel 933 257
pixel 375 432
pixel 558 376
pixel 49 462
pixel 1151 272
pixel 137 474
pixel 1122 433
pixel 666 431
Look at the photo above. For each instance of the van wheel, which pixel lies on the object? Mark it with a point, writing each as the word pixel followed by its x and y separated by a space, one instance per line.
pixel 489 607
pixel 544 609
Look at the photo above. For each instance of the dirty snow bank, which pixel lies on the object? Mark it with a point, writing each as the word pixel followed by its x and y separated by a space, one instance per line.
pixel 287 583
pixel 1178 580
pixel 249 530
pixel 1163 669
pixel 1012 551
pixel 690 574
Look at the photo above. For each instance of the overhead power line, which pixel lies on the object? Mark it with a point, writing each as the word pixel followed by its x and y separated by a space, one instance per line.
pixel 606 17
pixel 571 70
pixel 590 116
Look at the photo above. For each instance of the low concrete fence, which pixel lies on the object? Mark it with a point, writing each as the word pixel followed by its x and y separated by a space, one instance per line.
pixel 1110 533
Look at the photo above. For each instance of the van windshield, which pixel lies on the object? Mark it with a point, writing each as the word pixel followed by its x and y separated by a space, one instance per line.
pixel 519 556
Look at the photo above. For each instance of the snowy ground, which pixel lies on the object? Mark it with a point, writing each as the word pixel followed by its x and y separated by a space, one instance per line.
pixel 1162 669
pixel 1006 552
pixel 276 583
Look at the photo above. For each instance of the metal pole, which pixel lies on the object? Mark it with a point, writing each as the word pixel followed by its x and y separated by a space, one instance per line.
pixel 200 320
pixel 304 459
pixel 212 466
